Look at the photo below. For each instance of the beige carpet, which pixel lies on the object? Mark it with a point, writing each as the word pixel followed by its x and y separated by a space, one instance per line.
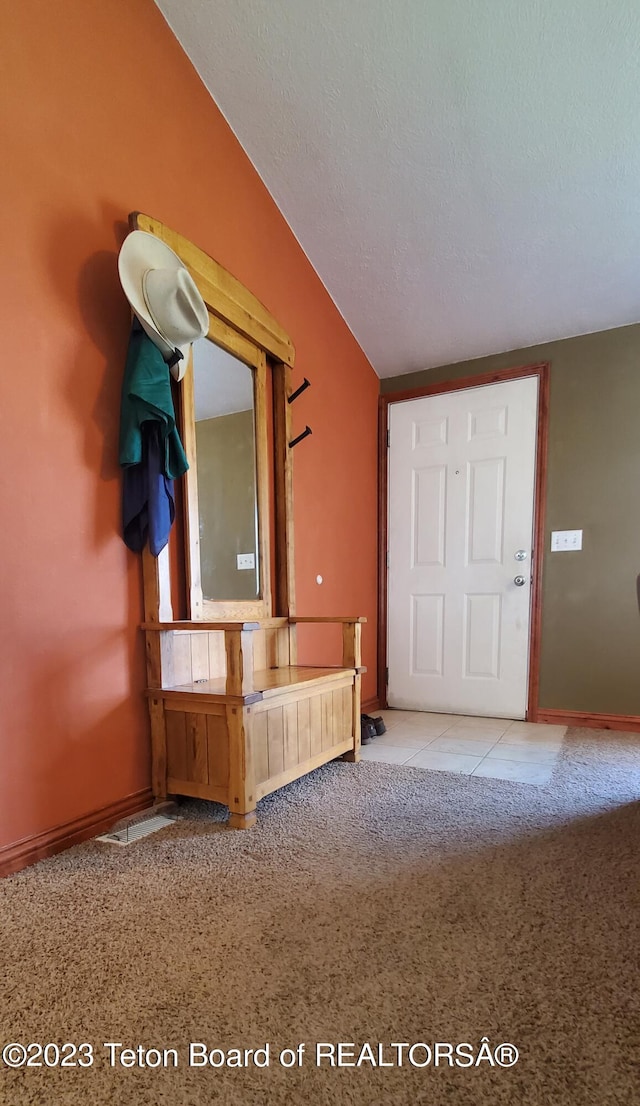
pixel 371 904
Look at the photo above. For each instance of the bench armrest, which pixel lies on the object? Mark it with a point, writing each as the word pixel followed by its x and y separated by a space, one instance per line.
pixel 351 636
pixel 348 618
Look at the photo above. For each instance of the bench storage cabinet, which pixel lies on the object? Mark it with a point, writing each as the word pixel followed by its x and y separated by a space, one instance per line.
pixel 233 733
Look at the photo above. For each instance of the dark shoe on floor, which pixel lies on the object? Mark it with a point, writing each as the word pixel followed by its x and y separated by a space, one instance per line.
pixel 367 731
pixel 377 723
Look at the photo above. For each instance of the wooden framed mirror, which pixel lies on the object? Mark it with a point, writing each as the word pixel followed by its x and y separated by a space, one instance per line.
pixel 224 412
pixel 228 376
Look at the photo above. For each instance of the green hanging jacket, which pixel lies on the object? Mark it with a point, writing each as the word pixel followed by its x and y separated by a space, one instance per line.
pixel 146 395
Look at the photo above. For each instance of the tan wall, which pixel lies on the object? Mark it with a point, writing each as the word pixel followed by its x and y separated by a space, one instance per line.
pixel 591 621
pixel 225 448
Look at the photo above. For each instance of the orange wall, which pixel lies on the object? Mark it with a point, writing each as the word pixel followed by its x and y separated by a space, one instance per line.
pixel 103 114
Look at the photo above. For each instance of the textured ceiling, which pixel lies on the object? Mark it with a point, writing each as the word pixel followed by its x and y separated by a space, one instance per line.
pixel 463 174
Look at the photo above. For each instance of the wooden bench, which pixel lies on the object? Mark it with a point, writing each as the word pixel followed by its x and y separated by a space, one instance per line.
pixel 234 717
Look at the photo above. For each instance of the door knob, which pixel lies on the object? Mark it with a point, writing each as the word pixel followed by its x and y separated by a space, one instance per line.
pixel 519 581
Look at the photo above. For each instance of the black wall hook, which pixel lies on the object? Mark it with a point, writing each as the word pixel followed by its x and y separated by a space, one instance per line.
pixel 294 395
pixel 305 433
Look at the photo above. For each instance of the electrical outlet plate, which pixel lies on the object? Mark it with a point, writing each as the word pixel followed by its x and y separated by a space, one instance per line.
pixel 245 560
pixel 565 540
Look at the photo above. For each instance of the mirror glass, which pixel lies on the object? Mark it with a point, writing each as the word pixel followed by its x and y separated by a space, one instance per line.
pixel 226 469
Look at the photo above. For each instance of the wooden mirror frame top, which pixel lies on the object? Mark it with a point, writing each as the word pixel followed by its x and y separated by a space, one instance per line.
pixel 239 324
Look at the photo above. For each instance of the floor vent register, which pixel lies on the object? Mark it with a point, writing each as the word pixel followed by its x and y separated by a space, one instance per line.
pixel 129 834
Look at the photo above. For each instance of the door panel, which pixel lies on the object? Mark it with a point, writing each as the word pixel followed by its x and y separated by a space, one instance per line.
pixel 485 511
pixel 481 635
pixel 427 635
pixel 428 515
pixel 461 488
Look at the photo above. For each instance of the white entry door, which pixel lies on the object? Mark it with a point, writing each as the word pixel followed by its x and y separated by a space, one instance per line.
pixel 461 492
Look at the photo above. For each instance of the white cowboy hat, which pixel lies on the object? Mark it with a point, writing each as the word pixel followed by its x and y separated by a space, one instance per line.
pixel 163 295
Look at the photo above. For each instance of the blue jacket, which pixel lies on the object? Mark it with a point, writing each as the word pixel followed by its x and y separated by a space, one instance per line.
pixel 151 452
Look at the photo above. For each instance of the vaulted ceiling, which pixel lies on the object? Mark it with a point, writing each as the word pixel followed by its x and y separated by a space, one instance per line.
pixel 463 174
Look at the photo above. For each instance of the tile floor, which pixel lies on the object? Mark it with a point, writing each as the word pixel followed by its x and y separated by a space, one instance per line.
pixel 524 752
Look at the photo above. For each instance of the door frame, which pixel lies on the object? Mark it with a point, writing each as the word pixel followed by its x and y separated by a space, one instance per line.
pixel 498 376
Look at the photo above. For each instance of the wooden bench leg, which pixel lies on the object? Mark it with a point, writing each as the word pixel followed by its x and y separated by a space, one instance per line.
pixel 158 750
pixel 352 658
pixel 242 791
pixel 242 821
pixel 353 756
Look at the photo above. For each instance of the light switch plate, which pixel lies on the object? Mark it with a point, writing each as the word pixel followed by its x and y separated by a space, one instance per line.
pixel 564 540
pixel 246 560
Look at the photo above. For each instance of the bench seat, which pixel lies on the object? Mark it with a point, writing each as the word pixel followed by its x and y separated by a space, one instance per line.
pixel 267 683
